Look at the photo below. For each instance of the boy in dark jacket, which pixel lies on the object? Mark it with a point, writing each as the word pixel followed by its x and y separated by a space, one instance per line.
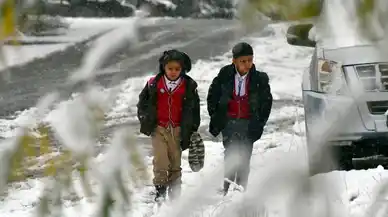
pixel 239 103
pixel 169 112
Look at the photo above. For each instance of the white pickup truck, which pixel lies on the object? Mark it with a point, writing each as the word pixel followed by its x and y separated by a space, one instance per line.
pixel 345 97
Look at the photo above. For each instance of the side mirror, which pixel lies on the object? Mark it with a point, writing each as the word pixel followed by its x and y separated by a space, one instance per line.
pixel 299 35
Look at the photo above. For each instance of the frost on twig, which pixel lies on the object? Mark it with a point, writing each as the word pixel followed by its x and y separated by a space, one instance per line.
pixel 237 186
pixel 378 204
pixel 121 160
pixel 102 49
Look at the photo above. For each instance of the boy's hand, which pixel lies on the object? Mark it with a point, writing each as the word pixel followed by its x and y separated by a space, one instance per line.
pixel 255 131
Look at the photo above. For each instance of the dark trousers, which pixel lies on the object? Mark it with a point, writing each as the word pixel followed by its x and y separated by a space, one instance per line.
pixel 238 152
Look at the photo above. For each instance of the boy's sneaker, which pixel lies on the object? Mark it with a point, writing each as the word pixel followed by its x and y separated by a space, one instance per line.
pixel 239 188
pixel 222 191
pixel 160 194
pixel 174 191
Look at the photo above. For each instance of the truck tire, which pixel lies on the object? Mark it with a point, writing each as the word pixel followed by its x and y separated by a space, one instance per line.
pixel 332 157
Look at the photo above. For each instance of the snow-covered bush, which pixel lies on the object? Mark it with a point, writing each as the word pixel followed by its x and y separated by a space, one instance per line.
pixel 38 25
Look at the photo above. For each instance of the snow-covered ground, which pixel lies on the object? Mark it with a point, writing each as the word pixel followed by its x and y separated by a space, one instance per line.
pixel 275 156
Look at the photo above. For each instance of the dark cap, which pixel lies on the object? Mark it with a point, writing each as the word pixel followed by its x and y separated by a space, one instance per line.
pixel 175 55
pixel 242 49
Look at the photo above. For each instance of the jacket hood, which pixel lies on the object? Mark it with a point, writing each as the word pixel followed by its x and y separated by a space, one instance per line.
pixel 171 55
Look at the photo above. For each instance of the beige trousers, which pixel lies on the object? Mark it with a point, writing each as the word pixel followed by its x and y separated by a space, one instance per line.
pixel 167 155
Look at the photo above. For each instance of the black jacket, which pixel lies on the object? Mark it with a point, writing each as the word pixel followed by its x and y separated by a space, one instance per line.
pixel 147 109
pixel 221 91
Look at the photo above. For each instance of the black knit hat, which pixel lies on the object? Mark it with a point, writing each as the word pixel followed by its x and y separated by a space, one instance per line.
pixel 242 49
pixel 175 55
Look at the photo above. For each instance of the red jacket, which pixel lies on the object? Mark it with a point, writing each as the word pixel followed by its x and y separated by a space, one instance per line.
pixel 238 106
pixel 169 105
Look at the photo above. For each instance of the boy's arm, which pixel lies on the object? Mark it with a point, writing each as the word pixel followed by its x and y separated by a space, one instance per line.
pixel 265 99
pixel 213 96
pixel 142 105
pixel 264 110
pixel 196 111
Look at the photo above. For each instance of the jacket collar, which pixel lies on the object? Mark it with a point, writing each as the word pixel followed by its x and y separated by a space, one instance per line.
pixel 233 72
pixel 188 79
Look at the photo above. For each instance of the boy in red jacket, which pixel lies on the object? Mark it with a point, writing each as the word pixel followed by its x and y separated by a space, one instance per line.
pixel 169 112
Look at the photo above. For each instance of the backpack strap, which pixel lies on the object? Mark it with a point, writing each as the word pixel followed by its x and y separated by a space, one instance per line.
pixel 151 80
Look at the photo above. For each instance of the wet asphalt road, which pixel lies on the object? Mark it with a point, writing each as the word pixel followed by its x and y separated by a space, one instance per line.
pixel 200 38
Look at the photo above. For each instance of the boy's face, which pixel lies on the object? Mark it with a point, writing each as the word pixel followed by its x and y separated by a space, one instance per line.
pixel 173 70
pixel 243 64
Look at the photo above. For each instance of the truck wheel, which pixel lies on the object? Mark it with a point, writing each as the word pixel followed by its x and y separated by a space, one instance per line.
pixel 344 156
pixel 329 159
pixel 321 161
